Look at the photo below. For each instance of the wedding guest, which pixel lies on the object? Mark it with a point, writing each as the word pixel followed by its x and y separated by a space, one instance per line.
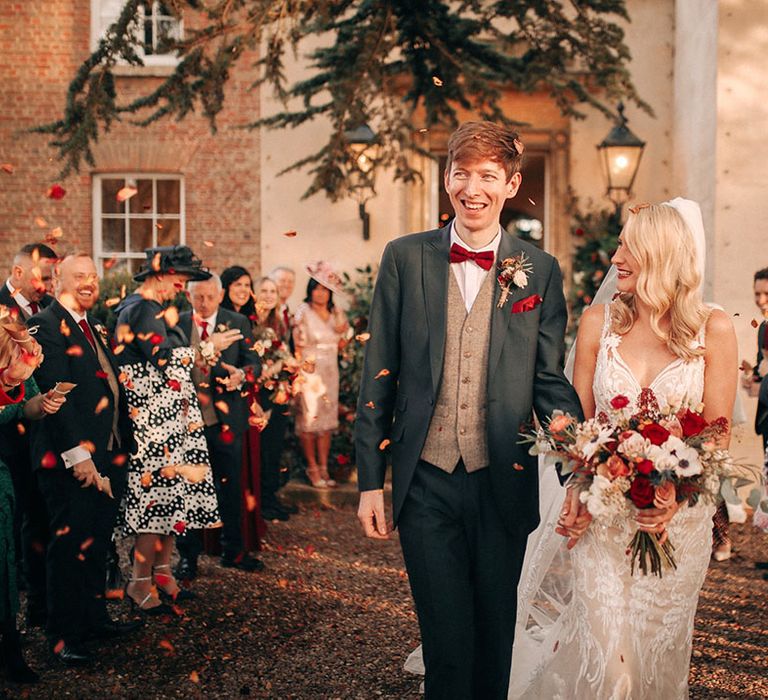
pixel 285 279
pixel 239 297
pixel 271 328
pixel 757 379
pixel 79 455
pixel 19 397
pixel 26 291
pixel 29 287
pixel 170 485
pixel 318 329
pixel 222 391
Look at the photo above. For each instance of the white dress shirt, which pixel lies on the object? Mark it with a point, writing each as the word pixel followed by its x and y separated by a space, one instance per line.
pixel 469 275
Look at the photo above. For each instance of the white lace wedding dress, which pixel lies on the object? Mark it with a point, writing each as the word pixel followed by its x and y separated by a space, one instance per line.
pixel 618 636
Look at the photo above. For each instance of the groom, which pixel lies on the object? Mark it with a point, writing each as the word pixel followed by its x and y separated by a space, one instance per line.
pixel 454 367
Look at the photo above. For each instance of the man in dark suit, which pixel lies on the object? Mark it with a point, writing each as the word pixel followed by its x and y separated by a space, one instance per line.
pixel 457 362
pixel 79 456
pixel 26 291
pixel 759 377
pixel 223 403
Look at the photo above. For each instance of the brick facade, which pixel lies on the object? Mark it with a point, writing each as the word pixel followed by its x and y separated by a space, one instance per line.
pixel 41 46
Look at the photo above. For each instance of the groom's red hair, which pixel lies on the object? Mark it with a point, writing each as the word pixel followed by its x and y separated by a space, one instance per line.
pixel 474 141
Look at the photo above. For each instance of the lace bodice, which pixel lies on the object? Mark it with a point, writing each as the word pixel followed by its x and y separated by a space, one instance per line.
pixel 678 383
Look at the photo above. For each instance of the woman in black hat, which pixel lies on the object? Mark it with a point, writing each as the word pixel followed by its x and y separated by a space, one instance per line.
pixel 170 486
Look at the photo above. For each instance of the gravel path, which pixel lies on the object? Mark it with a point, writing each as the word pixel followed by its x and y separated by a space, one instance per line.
pixel 332 618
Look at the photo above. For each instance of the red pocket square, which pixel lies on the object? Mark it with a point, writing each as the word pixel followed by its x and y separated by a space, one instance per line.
pixel 527 304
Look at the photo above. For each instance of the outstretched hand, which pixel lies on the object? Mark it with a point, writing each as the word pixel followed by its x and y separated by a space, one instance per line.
pixel 370 513
pixel 574 518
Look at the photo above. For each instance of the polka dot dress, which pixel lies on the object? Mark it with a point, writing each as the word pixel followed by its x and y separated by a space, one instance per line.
pixel 170 485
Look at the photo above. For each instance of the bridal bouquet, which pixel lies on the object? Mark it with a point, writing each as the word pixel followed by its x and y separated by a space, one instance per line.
pixel 279 369
pixel 642 456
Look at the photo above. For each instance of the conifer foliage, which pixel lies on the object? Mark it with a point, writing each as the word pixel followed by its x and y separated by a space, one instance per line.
pixel 400 66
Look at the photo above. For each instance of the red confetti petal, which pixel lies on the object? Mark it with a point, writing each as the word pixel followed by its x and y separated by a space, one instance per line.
pixel 74 351
pixel 7 168
pixel 56 192
pixel 180 527
pixel 48 461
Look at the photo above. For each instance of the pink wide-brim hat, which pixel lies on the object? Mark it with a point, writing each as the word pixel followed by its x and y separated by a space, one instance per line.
pixel 323 272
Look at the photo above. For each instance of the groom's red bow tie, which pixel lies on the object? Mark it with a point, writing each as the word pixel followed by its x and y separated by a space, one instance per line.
pixel 484 258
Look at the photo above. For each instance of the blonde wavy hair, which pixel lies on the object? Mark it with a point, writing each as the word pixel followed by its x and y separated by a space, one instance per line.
pixel 668 279
pixel 16 344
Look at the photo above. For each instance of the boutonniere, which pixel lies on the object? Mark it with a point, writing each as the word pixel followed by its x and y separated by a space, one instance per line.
pixel 102 331
pixel 515 271
pixel 220 328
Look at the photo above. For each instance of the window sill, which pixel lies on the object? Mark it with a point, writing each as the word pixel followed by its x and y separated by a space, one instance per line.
pixel 150 71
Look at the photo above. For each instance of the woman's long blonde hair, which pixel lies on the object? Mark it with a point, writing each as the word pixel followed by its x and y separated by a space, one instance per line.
pixel 668 280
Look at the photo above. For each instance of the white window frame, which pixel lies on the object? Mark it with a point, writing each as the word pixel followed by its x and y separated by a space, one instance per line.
pixel 99 255
pixel 98 28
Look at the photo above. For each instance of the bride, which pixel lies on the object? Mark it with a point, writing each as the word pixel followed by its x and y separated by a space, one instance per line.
pixel 587 628
pixel 623 636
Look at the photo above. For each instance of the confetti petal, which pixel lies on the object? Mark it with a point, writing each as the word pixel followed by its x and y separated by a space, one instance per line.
pixel 437 82
pixel 126 193
pixel 382 373
pixel 7 168
pixel 103 403
pixel 384 444
pixel 208 244
pixel 290 234
pixel 55 192
pixel 363 337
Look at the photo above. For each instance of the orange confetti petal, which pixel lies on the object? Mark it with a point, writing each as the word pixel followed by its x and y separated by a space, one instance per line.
pixel 363 337
pixel 125 193
pixel 74 351
pixel 56 232
pixel 112 301
pixel 208 244
pixel 41 222
pixel 86 543
pixel 384 444
pixel 166 645
pixel 382 373
pixel 171 316
pixel 109 264
pixel 7 168
pixel 370 404
pixel 114 594
pixel 64 328
pixel 250 501
pixel 290 234
pixel 194 677
pixel 518 467
pixel 103 403
pixel 531 201
pixel 139 557
pixel 754 323
pixel 62 531
pixel 146 479
pixel 88 445
pixel 437 82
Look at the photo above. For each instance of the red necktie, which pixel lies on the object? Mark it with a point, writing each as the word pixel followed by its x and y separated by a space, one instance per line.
pixel 87 331
pixel 34 308
pixel 204 334
pixel 286 320
pixel 484 258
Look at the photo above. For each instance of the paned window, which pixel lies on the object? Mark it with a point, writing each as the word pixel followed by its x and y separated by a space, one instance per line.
pixel 156 26
pixel 134 212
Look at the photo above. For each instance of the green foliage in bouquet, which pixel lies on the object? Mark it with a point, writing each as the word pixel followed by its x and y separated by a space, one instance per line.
pixel 596 233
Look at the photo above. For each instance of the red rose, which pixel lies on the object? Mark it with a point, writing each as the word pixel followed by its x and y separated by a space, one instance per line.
pixel 619 402
pixel 641 492
pixel 645 467
pixel 692 423
pixel 655 433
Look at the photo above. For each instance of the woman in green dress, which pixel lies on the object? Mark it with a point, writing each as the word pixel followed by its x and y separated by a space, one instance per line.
pixel 19 397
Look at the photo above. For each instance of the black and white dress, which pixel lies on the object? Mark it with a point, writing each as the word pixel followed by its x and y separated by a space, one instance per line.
pixel 170 484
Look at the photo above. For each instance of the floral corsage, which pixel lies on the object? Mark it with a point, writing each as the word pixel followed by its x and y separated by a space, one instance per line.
pixel 208 352
pixel 515 271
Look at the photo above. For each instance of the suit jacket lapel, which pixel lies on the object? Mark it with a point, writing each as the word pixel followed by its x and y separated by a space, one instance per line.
pixel 500 317
pixel 435 270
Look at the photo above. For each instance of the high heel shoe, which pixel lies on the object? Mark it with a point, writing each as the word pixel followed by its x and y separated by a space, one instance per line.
pixel 330 483
pixel 136 606
pixel 16 669
pixel 180 596
pixel 722 552
pixel 315 478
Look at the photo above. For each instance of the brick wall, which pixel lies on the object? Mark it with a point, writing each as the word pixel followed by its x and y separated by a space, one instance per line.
pixel 41 46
